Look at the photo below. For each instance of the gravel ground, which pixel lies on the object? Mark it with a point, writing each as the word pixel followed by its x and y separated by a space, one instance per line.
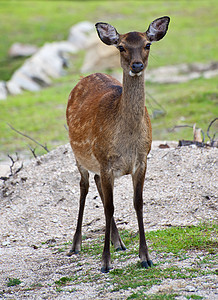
pixel 39 207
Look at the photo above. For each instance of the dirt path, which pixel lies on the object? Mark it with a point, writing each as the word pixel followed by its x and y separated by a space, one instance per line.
pixel 39 209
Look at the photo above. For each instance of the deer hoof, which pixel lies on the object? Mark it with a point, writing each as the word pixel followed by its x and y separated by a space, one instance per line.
pixel 105 269
pixel 144 264
pixel 150 263
pixel 123 248
pixel 71 252
pixel 147 264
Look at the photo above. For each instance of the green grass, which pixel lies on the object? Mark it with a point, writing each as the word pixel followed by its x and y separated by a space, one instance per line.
pixel 194 297
pixel 42 115
pixel 177 239
pixel 192 30
pixel 13 282
pixel 64 280
pixel 168 244
pixel 185 104
pixel 173 240
pixel 191 38
pixel 161 297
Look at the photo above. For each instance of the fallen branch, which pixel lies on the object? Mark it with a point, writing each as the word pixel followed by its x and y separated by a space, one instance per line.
pixel 13 163
pixel 188 143
pixel 189 126
pixel 30 138
pixel 33 151
pixel 212 140
pixel 12 171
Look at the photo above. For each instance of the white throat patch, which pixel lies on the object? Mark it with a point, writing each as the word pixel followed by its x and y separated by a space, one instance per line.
pixel 134 74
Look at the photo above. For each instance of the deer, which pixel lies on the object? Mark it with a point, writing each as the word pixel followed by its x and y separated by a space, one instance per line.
pixel 110 132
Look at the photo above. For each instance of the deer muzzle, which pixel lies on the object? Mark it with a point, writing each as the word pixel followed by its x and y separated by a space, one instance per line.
pixel 136 69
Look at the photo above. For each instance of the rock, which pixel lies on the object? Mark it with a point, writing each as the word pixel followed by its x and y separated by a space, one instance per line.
pixel 79 34
pixel 182 73
pixel 35 73
pixel 24 82
pixel 18 49
pixel 210 74
pixel 51 57
pixel 4 170
pixel 190 288
pixel 13 88
pixel 100 56
pixel 3 90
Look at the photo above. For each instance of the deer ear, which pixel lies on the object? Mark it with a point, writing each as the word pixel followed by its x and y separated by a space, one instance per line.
pixel 157 29
pixel 107 33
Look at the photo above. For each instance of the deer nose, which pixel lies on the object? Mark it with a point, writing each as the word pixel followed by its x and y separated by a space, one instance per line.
pixel 137 67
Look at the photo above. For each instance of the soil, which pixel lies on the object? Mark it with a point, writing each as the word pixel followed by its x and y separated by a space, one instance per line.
pixel 39 207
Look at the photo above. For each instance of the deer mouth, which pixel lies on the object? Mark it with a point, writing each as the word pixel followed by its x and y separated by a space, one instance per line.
pixel 131 73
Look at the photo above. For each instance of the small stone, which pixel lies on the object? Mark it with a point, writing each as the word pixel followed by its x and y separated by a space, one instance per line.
pixel 5 243
pixel 190 288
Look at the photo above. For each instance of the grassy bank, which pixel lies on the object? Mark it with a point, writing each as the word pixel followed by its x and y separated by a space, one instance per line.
pixel 191 38
pixel 181 254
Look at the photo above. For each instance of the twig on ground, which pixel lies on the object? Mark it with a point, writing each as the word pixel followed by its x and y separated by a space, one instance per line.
pixel 33 151
pixel 189 126
pixel 212 140
pixel 30 138
pixel 12 171
pixel 13 163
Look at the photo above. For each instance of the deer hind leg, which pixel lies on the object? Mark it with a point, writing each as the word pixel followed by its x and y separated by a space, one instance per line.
pixel 84 187
pixel 115 237
pixel 107 184
pixel 138 182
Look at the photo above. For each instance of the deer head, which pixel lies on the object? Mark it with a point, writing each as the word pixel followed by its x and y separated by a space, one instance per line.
pixel 134 46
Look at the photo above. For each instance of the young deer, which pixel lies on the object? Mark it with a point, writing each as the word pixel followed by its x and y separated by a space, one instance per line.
pixel 110 131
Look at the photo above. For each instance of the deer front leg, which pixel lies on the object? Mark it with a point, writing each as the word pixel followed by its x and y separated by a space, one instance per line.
pixel 107 190
pixel 84 187
pixel 115 237
pixel 138 182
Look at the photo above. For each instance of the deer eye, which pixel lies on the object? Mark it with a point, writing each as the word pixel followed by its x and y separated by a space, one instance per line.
pixel 120 48
pixel 147 47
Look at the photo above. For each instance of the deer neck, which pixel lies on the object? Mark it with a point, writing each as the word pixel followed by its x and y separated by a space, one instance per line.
pixel 133 99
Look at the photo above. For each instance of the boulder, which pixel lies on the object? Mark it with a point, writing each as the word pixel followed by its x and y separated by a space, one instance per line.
pixel 99 56
pixel 3 90
pixel 18 49
pixel 24 82
pixel 13 88
pixel 37 71
pixel 79 34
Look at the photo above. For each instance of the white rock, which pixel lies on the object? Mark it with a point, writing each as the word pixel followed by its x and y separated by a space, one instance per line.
pixel 18 49
pixel 24 82
pixel 64 46
pixel 48 62
pixel 34 70
pixel 100 56
pixel 50 58
pixel 3 90
pixel 79 34
pixel 4 170
pixel 13 88
pixel 210 74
